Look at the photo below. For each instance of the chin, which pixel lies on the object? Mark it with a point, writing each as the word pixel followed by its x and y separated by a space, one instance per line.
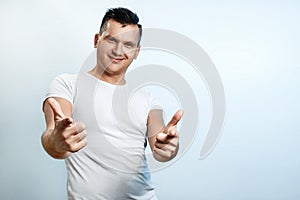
pixel 114 70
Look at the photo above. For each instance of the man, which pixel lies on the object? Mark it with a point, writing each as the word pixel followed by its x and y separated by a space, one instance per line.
pixel 89 126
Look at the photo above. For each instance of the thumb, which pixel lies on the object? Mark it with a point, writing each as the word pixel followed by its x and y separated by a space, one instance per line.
pixel 64 123
pixel 175 119
pixel 58 114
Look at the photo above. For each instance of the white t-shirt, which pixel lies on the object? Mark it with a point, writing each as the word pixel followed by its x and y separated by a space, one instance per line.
pixel 113 164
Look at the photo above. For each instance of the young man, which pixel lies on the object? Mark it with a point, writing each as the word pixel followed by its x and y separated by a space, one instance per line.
pixel 89 126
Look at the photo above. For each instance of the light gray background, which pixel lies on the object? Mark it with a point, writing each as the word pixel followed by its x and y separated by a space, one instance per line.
pixel 255 47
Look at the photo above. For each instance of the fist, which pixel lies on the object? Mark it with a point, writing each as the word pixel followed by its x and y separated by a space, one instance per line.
pixel 167 142
pixel 67 137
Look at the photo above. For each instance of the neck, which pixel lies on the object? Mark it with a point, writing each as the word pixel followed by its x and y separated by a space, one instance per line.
pixel 117 79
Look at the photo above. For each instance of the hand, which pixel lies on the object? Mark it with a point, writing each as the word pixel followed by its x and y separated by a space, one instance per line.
pixel 67 137
pixel 167 142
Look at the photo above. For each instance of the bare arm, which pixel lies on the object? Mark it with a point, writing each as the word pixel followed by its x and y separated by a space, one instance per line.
pixel 62 136
pixel 163 140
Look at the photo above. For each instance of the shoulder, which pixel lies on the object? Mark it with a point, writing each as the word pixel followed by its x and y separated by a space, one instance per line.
pixel 141 94
pixel 65 77
pixel 151 99
pixel 66 80
pixel 62 86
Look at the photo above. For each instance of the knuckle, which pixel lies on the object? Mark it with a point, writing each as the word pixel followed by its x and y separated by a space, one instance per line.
pixel 73 148
pixel 65 135
pixel 78 146
pixel 84 143
pixel 81 136
pixel 73 130
pixel 172 150
pixel 167 130
pixel 169 153
pixel 174 131
pixel 68 144
pixel 80 126
pixel 174 142
pixel 163 146
pixel 84 135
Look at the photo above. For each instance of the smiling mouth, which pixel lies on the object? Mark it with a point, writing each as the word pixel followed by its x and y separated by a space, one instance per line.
pixel 116 59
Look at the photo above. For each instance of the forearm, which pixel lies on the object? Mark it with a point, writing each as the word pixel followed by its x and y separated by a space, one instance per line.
pixel 50 148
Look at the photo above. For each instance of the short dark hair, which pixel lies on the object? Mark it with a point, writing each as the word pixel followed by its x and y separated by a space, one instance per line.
pixel 122 15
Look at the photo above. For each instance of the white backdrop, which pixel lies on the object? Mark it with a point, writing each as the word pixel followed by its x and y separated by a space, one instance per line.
pixel 254 46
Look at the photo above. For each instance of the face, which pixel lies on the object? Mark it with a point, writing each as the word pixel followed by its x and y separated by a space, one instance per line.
pixel 117 47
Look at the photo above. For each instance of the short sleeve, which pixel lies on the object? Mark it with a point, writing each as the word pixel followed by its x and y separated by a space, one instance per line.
pixel 62 86
pixel 154 103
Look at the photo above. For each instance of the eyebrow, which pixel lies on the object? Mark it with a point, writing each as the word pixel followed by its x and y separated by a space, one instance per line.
pixel 109 36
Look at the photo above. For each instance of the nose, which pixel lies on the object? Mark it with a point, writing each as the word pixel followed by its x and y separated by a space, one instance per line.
pixel 118 50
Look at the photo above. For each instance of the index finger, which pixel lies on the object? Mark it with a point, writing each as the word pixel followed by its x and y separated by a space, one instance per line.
pixel 176 118
pixel 58 114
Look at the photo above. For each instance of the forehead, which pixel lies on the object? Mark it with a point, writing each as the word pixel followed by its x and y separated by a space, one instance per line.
pixel 124 32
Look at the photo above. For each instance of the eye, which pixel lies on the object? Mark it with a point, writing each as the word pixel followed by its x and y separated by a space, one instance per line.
pixel 111 39
pixel 129 45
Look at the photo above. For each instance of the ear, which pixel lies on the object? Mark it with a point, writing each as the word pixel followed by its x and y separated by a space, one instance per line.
pixel 96 38
pixel 137 51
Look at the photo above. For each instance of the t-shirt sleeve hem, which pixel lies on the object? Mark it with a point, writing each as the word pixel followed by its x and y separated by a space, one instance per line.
pixel 156 107
pixel 58 96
